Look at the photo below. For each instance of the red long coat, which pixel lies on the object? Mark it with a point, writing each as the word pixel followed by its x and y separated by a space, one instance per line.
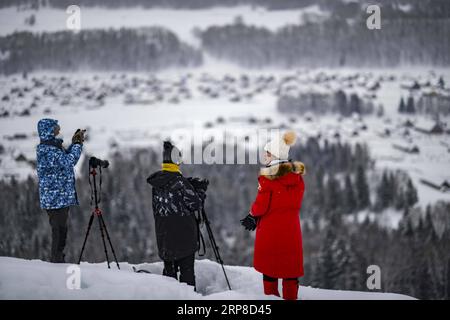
pixel 278 243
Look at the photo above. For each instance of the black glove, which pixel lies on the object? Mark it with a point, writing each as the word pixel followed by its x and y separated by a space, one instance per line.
pixel 202 195
pixel 78 137
pixel 249 222
pixel 200 185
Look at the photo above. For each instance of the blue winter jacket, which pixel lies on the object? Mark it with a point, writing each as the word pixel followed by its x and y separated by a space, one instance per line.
pixel 55 168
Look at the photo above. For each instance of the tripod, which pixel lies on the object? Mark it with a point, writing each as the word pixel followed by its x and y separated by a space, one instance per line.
pixel 214 245
pixel 101 222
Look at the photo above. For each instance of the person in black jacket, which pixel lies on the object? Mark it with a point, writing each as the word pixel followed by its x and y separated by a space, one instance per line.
pixel 174 202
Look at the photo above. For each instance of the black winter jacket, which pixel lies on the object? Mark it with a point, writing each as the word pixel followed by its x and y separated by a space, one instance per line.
pixel 174 202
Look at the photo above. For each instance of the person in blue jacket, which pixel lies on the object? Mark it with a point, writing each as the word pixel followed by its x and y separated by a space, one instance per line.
pixel 55 170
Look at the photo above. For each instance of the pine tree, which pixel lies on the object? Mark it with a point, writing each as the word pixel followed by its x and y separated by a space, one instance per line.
pixel 447 280
pixel 355 103
pixel 401 106
pixel 423 239
pixel 405 212
pixel 363 195
pixel 411 196
pixel 410 108
pixel 399 192
pixel 441 82
pixel 361 156
pixel 333 257
pixel 341 103
pixel 320 189
pixel 400 201
pixel 333 193
pixel 350 197
pixel 392 186
pixel 384 196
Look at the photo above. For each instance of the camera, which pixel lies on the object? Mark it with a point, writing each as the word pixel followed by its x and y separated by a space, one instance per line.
pixel 95 162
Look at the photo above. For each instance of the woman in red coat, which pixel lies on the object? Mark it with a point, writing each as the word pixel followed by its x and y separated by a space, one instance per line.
pixel 275 213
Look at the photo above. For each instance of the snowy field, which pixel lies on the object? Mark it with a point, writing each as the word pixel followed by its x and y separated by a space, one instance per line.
pixel 35 279
pixel 182 22
pixel 139 110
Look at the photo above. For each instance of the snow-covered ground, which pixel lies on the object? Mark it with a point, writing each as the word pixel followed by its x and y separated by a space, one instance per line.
pixel 182 22
pixel 35 279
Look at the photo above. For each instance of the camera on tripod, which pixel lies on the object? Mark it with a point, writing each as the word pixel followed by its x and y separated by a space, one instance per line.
pixel 199 184
pixel 95 162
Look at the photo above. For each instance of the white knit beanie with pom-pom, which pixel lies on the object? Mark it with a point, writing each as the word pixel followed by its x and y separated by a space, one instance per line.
pixel 280 147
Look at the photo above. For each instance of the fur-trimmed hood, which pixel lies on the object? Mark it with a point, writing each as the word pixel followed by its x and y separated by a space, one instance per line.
pixel 278 170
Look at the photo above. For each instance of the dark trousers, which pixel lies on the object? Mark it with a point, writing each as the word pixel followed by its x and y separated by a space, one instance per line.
pixel 58 223
pixel 186 268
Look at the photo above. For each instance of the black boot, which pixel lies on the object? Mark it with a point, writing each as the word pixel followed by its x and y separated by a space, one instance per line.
pixel 170 269
pixel 187 274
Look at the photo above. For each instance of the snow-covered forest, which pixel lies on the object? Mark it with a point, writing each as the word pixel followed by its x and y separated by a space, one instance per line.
pixel 371 109
pixel 145 49
pixel 410 36
pixel 345 44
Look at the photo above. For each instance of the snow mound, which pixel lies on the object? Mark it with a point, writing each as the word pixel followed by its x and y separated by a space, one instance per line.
pixel 35 279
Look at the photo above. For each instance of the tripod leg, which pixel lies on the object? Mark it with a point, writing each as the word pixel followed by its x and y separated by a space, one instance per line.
pixel 85 238
pixel 216 251
pixel 109 240
pixel 103 239
pixel 226 277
